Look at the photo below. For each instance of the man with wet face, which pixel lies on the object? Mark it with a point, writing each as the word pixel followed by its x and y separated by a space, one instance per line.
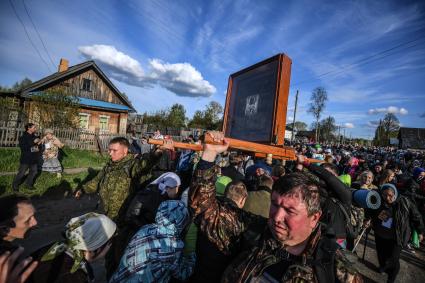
pixel 17 218
pixel 291 240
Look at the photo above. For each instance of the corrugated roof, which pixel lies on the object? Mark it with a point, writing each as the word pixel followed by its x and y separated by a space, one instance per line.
pixel 92 103
pixel 102 104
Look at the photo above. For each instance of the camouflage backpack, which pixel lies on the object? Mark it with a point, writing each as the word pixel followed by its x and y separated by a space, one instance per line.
pixel 354 219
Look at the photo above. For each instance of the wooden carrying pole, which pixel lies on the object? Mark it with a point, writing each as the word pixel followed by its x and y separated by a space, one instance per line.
pixel 285 153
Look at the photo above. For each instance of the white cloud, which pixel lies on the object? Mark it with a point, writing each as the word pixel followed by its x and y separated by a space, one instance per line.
pixel 349 125
pixel 372 124
pixel 110 56
pixel 403 111
pixel 180 78
pixel 389 109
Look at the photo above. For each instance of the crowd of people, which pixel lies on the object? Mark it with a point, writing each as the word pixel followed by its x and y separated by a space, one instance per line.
pixel 225 216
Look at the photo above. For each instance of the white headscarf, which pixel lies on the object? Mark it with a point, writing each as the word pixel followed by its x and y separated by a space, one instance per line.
pixel 91 231
pixel 87 232
pixel 167 180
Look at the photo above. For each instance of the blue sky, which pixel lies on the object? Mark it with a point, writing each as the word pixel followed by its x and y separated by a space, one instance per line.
pixel 166 52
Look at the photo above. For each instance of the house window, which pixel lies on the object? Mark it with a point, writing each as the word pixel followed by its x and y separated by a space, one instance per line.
pixel 86 85
pixel 104 123
pixel 84 120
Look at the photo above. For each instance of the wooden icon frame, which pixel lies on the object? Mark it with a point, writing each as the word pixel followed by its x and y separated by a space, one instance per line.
pixel 261 87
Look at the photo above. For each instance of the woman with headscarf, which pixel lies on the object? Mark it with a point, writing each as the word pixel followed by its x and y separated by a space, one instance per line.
pixel 144 205
pixel 392 224
pixel 87 238
pixel 155 253
pixel 50 154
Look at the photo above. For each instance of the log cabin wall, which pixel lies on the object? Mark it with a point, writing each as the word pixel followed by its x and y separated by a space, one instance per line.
pixel 94 119
pixel 117 122
pixel 99 90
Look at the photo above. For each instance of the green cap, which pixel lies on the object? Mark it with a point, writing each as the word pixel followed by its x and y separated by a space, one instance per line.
pixel 221 184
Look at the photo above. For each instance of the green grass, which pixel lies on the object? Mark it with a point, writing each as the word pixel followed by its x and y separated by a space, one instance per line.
pixel 9 159
pixel 47 184
pixel 71 158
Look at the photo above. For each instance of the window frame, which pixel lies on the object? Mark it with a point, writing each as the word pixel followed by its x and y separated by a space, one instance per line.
pixel 86 115
pixel 89 84
pixel 107 123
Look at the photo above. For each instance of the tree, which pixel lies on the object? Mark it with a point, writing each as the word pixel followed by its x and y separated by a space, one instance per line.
pixel 197 120
pixel 328 127
pixel 300 126
pixel 56 108
pixel 387 128
pixel 213 115
pixel 379 135
pixel 177 116
pixel 390 125
pixel 157 118
pixel 209 119
pixel 22 84
pixel 318 100
pixel 17 86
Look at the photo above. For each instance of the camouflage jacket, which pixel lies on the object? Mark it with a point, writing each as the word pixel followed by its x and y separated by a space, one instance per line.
pixel 223 225
pixel 220 221
pixel 117 181
pixel 321 261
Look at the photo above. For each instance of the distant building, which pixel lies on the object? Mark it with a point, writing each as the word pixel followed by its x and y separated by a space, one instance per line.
pixel 102 105
pixel 306 136
pixel 412 138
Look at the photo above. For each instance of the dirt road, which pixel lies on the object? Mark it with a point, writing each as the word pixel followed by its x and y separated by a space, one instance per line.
pixel 54 211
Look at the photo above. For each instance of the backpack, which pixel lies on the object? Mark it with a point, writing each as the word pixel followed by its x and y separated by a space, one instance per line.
pixel 353 219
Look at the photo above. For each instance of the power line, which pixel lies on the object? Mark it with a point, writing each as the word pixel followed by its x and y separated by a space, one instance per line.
pixel 366 60
pixel 28 36
pixel 38 34
pixel 370 61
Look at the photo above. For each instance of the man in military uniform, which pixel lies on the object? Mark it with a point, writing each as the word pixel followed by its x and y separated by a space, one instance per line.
pixel 291 247
pixel 116 184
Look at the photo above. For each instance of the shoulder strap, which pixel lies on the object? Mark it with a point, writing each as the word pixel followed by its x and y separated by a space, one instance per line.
pixel 323 262
pixel 343 209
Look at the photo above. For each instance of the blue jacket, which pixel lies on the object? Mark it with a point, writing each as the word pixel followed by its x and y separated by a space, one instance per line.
pixel 155 253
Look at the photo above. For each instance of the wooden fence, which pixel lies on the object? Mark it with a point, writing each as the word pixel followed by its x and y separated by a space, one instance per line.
pixel 73 138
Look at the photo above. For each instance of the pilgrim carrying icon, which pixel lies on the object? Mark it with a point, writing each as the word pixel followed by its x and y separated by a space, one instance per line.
pixel 251 106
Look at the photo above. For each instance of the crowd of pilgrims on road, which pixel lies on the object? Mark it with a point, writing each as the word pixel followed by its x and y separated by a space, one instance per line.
pixel 171 215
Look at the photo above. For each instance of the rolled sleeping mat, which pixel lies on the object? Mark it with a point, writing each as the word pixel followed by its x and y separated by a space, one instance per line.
pixel 367 198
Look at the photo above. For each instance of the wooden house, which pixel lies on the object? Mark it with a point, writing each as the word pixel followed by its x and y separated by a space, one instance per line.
pixel 101 105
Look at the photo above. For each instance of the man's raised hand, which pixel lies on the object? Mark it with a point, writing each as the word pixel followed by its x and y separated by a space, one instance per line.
pixel 212 150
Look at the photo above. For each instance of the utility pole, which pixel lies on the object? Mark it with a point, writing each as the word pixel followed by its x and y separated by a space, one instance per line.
pixel 293 122
pixel 339 134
